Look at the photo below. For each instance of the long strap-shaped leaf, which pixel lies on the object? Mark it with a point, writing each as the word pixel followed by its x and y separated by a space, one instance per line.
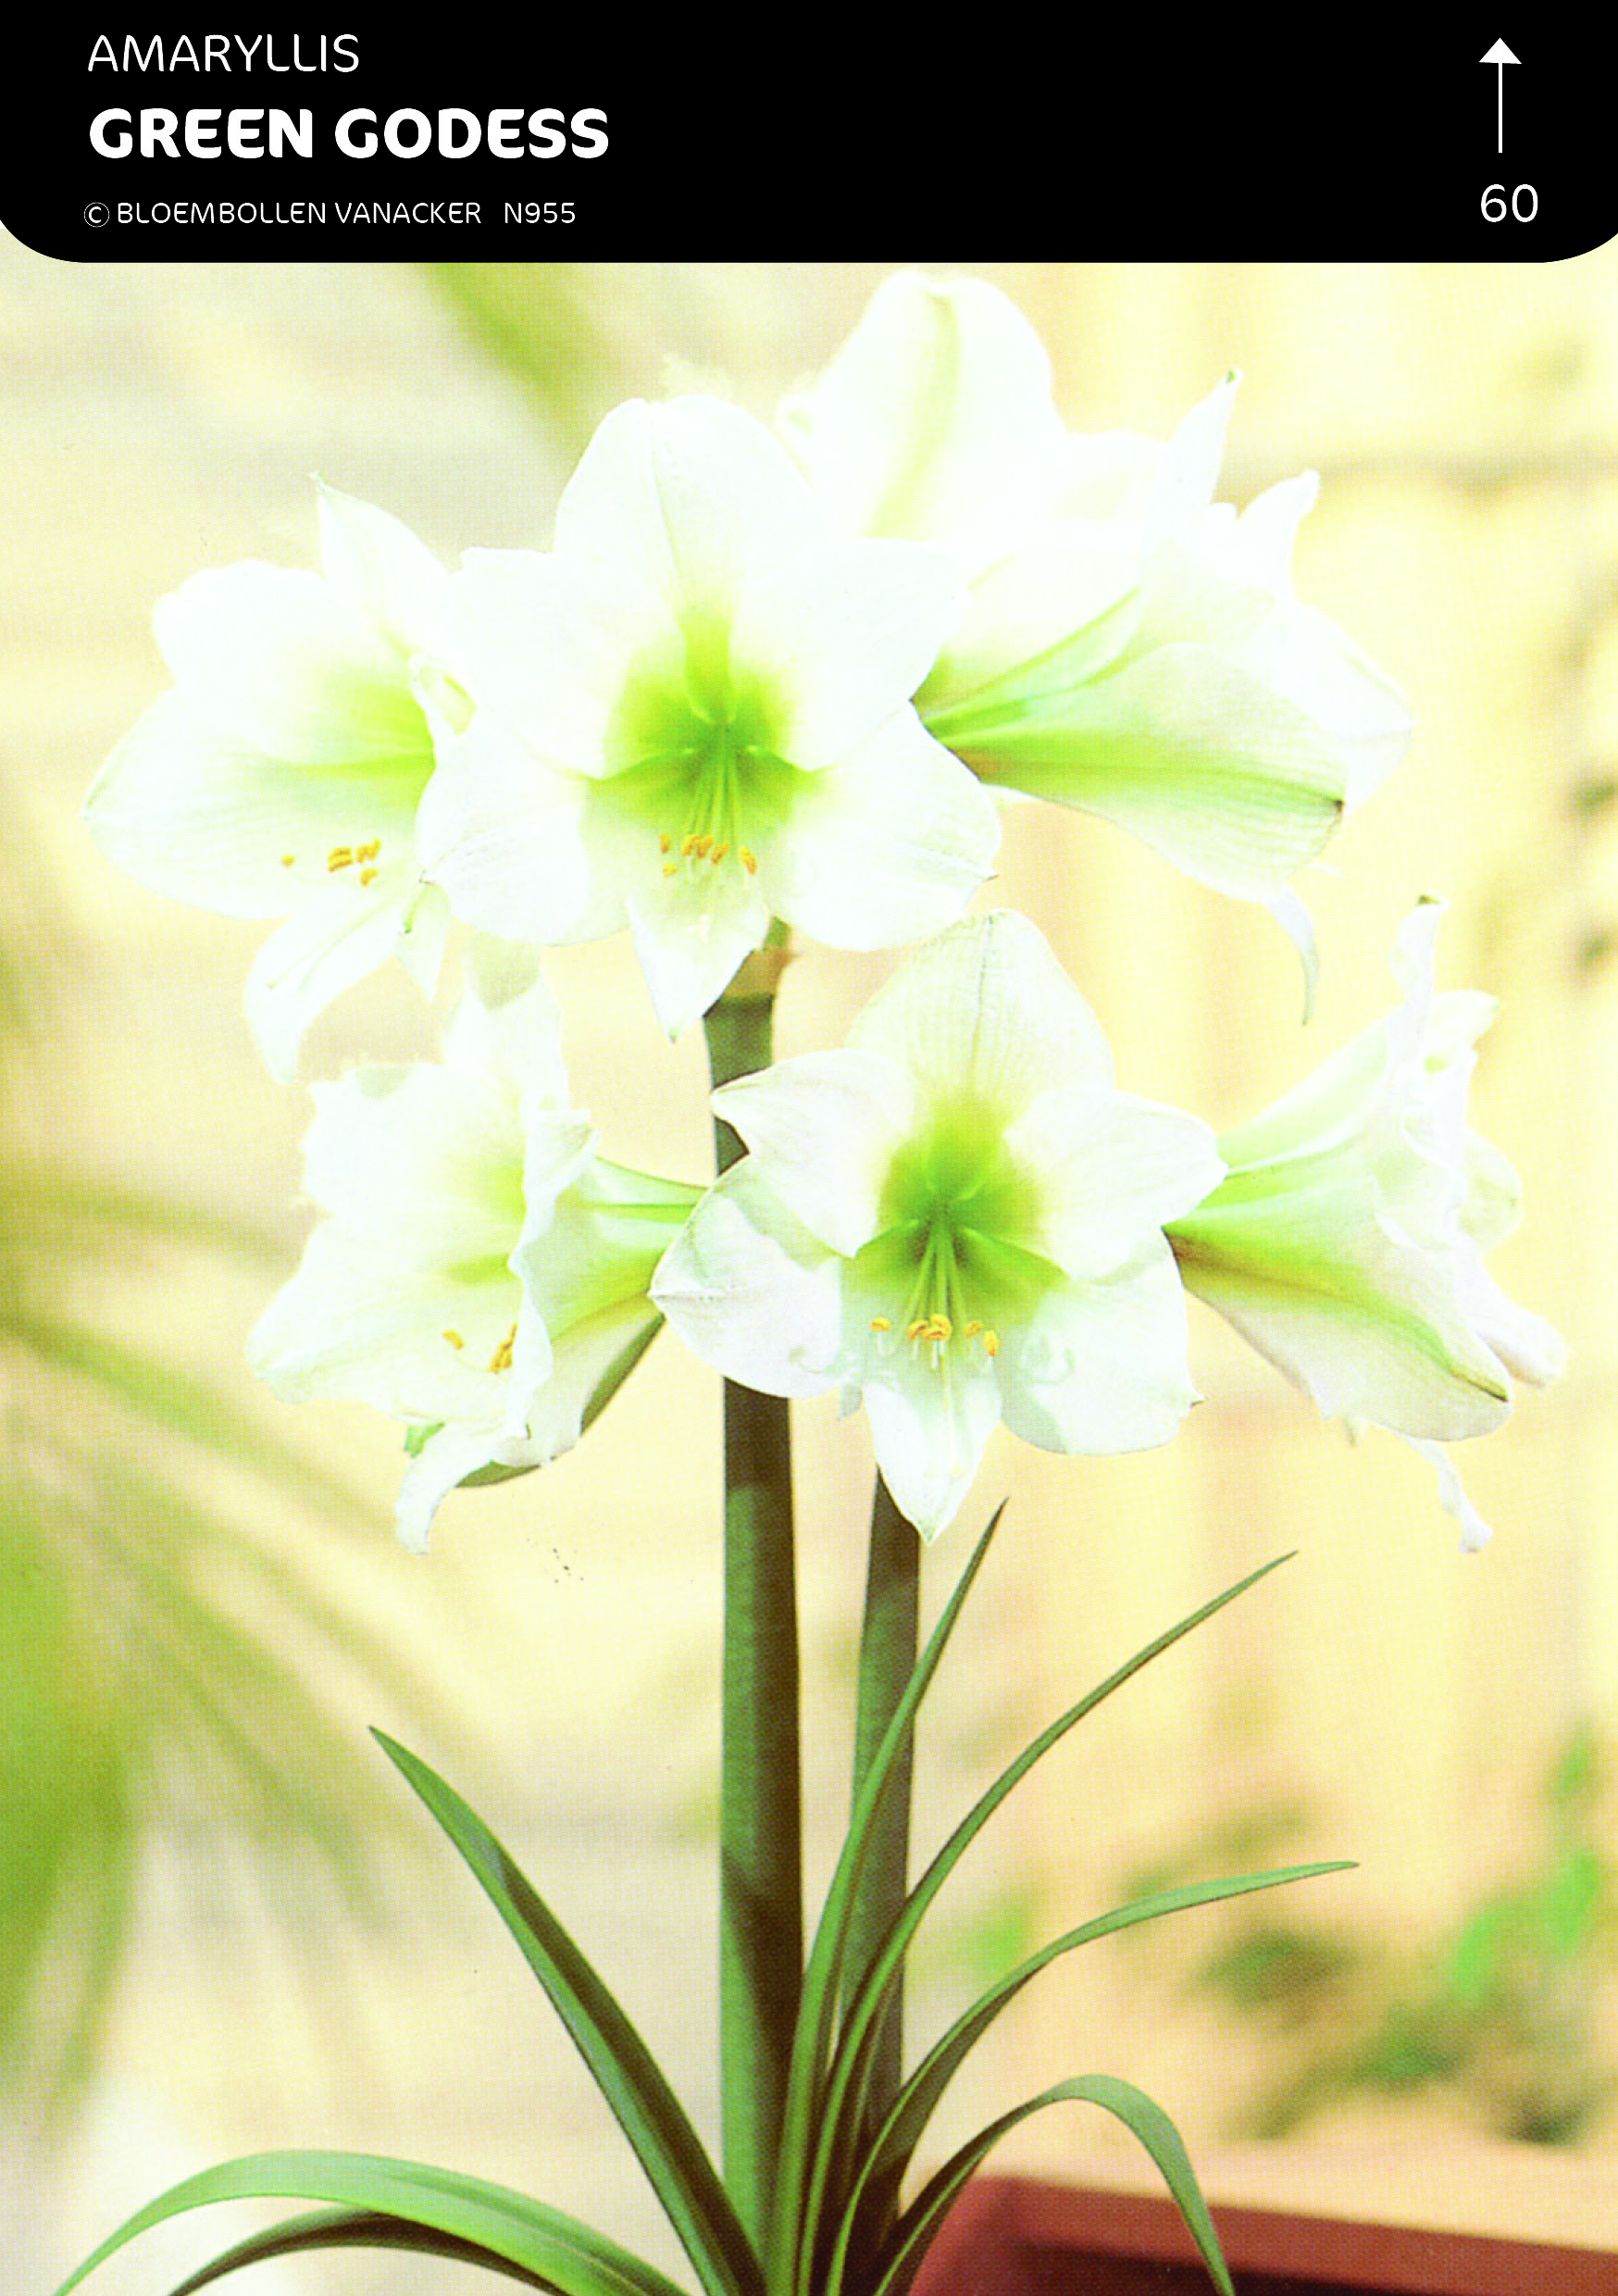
pixel 625 2071
pixel 821 1977
pixel 914 2233
pixel 562 2252
pixel 355 2227
pixel 842 2087
pixel 895 2142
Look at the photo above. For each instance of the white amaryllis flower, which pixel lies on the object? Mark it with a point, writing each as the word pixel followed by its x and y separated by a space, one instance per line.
pixel 1131 647
pixel 693 715
pixel 280 776
pixel 956 1217
pixel 1347 1240
pixel 482 1274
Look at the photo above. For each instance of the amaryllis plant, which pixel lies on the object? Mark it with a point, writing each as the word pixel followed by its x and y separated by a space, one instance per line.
pixel 765 684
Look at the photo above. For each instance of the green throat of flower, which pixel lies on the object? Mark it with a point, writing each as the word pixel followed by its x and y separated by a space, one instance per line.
pixel 694 756
pixel 952 1260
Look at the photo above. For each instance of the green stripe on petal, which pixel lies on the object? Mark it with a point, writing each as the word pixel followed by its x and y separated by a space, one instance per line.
pixel 1191 753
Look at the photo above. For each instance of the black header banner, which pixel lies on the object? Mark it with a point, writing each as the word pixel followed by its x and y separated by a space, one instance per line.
pixel 348 142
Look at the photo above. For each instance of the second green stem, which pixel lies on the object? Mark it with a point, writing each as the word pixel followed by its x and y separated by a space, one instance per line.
pixel 761 1890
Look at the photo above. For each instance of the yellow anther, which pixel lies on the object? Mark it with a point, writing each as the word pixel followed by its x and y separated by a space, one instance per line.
pixel 664 840
pixel 720 850
pixel 501 1359
pixel 940 1327
pixel 688 845
pixel 671 869
pixel 704 846
pixel 881 1323
pixel 748 860
pixel 918 1330
pixel 369 852
pixel 287 859
pixel 970 1331
pixel 368 877
pixel 991 1342
pixel 454 1339
pixel 340 857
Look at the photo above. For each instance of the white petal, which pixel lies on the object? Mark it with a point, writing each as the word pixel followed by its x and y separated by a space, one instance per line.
pixel 1185 481
pixel 1530 1348
pixel 508 1027
pixel 1100 1366
pixel 1054 610
pixel 1365 1326
pixel 842 638
pixel 198 814
pixel 599 1243
pixel 377 563
pixel 424 928
pixel 692 932
pixel 284 662
pixel 1475 1533
pixel 929 1426
pixel 503 836
pixel 685 497
pixel 589 1358
pixel 934 420
pixel 752 1292
pixel 1190 752
pixel 1266 532
pixel 1109 1170
pixel 550 644
pixel 194 814
pixel 986 1010
pixel 354 1324
pixel 823 1131
pixel 425 1161
pixel 886 848
pixel 333 940
pixel 443 1461
pixel 1308 660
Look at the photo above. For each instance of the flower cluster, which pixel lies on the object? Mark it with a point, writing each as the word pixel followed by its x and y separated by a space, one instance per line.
pixel 771 681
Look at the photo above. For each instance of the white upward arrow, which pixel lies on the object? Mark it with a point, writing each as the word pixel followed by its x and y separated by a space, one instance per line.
pixel 1500 55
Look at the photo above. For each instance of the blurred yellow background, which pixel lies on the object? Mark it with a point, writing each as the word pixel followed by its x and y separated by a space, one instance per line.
pixel 1383 1698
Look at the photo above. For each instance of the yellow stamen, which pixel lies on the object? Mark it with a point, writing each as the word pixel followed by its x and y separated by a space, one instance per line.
pixel 454 1339
pixel 369 852
pixel 688 845
pixel 748 860
pixel 971 1330
pixel 664 842
pixel 881 1323
pixel 704 846
pixel 940 1329
pixel 720 850
pixel 287 859
pixel 991 1342
pixel 340 857
pixel 671 869
pixel 368 877
pixel 918 1330
pixel 501 1359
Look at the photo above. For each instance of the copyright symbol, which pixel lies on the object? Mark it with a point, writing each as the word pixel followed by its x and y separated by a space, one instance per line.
pixel 95 215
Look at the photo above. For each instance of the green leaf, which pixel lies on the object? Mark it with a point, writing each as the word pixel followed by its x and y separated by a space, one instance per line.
pixel 649 2114
pixel 843 2086
pixel 564 2255
pixel 896 2268
pixel 357 2227
pixel 891 2154
pixel 788 2250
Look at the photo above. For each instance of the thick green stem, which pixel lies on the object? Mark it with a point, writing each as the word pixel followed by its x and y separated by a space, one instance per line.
pixel 761 1908
pixel 888 1649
